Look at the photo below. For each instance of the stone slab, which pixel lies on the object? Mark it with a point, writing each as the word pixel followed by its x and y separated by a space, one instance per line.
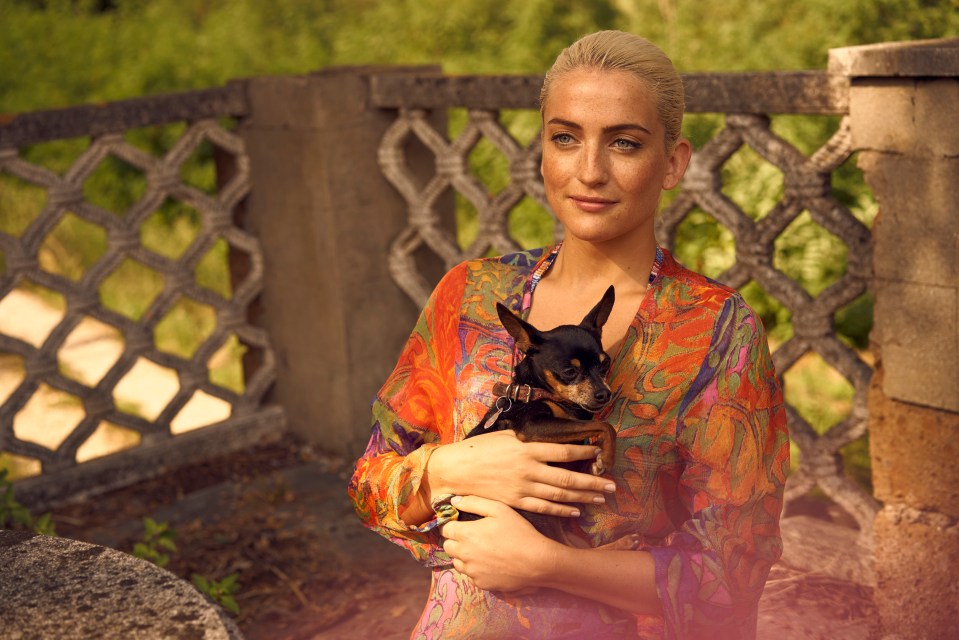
pixel 916 558
pixel 914 452
pixel 59 588
pixel 917 329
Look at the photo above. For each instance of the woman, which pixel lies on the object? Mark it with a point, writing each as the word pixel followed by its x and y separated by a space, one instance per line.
pixel 702 449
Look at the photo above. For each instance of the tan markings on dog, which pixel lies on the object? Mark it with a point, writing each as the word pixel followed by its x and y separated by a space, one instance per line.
pixel 558 410
pixel 576 363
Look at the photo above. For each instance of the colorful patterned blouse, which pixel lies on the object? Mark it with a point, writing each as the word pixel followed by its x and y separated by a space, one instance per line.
pixel 701 458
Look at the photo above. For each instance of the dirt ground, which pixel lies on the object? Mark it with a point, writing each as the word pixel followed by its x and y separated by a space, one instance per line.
pixel 278 517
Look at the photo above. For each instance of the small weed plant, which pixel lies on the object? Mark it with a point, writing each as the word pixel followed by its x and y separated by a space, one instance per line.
pixel 15 514
pixel 159 539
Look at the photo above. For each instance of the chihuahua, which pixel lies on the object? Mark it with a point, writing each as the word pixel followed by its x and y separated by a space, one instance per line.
pixel 556 390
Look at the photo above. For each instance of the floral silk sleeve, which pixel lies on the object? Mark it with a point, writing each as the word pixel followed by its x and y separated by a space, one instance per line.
pixel 412 414
pixel 732 435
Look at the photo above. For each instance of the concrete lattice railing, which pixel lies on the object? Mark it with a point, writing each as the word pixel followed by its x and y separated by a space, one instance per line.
pixel 41 359
pixel 746 99
pixel 349 198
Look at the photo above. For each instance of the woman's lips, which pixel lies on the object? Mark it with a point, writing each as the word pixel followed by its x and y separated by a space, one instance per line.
pixel 592 204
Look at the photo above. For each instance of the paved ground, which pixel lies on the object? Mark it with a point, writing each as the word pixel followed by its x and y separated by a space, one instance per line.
pixel 280 518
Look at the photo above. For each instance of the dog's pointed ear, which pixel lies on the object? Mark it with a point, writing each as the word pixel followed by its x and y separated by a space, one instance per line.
pixel 527 337
pixel 599 314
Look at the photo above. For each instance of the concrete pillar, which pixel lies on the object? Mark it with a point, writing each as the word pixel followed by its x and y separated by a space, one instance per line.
pixel 904 109
pixel 326 218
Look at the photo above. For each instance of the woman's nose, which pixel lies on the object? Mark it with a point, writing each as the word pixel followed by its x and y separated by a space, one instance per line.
pixel 593 167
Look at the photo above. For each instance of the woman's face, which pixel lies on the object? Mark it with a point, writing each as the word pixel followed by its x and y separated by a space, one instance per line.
pixel 605 163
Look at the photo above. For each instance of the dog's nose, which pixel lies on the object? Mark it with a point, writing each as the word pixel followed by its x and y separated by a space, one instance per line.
pixel 601 396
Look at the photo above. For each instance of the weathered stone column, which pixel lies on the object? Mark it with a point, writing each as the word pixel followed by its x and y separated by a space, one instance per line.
pixel 326 218
pixel 904 107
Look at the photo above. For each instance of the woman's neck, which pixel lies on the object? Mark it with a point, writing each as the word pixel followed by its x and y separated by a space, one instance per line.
pixel 585 265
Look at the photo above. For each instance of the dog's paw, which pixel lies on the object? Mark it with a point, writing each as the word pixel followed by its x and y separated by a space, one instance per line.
pixel 598 467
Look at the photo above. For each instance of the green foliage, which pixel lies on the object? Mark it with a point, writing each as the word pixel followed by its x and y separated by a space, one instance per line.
pixel 132 48
pixel 220 591
pixel 12 513
pixel 158 537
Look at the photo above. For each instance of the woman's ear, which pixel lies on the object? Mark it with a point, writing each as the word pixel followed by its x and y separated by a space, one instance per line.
pixel 677 162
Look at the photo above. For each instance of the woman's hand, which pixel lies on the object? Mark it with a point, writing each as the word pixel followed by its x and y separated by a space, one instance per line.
pixel 500 467
pixel 500 552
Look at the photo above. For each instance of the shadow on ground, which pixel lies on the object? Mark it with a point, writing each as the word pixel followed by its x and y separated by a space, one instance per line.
pixel 278 516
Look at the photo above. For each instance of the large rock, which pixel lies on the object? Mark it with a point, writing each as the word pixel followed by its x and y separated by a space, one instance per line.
pixel 54 588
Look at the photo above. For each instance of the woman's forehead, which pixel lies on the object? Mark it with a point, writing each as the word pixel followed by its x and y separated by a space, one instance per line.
pixel 609 98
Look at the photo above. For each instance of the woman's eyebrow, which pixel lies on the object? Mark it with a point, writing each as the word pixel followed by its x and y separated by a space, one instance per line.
pixel 610 129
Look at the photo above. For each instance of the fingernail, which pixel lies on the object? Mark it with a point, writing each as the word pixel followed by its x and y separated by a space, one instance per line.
pixel 456 499
pixel 598 452
pixel 610 488
pixel 574 513
pixel 599 499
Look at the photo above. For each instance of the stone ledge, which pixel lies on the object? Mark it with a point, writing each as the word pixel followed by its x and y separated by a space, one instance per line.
pixel 59 588
pixel 817 546
pixel 920 58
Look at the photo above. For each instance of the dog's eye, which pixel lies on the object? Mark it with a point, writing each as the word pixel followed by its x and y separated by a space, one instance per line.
pixel 569 373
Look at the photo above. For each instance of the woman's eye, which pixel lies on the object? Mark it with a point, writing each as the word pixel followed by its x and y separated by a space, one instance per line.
pixel 625 145
pixel 563 138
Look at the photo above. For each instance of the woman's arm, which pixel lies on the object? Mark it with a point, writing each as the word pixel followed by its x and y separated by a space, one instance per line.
pixel 500 467
pixel 503 552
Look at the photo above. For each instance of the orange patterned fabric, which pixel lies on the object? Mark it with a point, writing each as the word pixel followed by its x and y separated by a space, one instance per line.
pixel 702 454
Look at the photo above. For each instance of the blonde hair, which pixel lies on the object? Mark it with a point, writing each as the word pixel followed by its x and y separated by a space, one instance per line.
pixel 620 51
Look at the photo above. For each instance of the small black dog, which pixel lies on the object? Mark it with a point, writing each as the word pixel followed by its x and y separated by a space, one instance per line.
pixel 556 389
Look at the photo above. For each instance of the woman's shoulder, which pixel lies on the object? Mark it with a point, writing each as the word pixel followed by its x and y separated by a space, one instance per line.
pixel 690 288
pixel 506 268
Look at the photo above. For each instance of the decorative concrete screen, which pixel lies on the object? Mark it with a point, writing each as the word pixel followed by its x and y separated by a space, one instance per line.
pixel 745 99
pixel 149 271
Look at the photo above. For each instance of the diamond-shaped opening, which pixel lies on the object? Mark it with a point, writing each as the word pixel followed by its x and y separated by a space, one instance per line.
pixel 488 164
pixel 146 389
pixel 226 365
pixel 775 316
pixel 171 229
pixel 523 124
pixel 805 133
pixel 857 462
pixel 106 439
pixel 20 202
pixel 213 271
pixel 810 255
pixel 131 288
pixel 752 183
pixel 854 322
pixel 90 350
pixel 57 155
pixel 48 417
pixel 530 225
pixel 156 139
pixel 704 245
pixel 185 327
pixel 30 312
pixel 816 504
pixel 115 185
pixel 849 188
pixel 700 128
pixel 819 393
pixel 12 374
pixel 72 247
pixel 419 161
pixel 19 466
pixel 467 222
pixel 202 410
pixel 199 170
